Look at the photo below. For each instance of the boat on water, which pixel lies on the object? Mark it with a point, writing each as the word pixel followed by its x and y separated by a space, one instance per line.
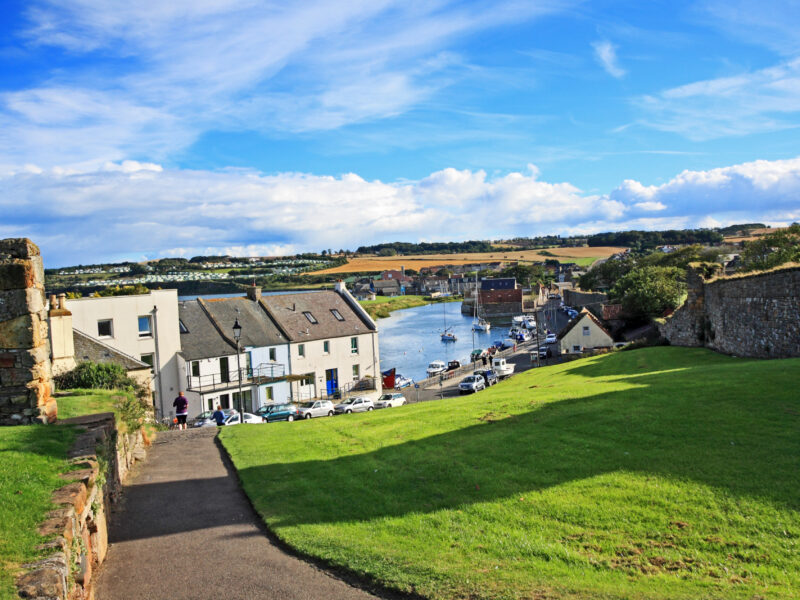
pixel 529 323
pixel 479 324
pixel 447 335
pixel 518 320
pixel 436 367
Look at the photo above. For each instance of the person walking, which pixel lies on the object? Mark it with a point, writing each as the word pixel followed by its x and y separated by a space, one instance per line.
pixel 219 416
pixel 181 405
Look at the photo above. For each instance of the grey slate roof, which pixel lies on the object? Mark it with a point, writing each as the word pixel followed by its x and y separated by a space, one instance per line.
pixel 287 311
pixel 89 348
pixel 209 325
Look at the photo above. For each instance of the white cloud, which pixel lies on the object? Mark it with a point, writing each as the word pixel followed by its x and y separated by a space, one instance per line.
pixel 133 209
pixel 606 54
pixel 752 102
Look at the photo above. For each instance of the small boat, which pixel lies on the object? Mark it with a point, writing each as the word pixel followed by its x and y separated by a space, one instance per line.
pixel 502 367
pixel 479 324
pixel 449 336
pixel 517 320
pixel 529 323
pixel 436 367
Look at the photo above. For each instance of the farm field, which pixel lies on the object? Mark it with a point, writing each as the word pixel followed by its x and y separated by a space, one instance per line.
pixel 584 256
pixel 660 473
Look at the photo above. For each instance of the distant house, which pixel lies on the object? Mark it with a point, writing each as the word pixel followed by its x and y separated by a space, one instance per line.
pixel 386 287
pixel 584 332
pixel 500 297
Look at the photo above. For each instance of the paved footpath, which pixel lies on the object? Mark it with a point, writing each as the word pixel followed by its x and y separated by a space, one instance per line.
pixel 185 530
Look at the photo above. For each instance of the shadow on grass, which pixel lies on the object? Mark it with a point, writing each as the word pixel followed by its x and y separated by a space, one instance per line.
pixel 742 438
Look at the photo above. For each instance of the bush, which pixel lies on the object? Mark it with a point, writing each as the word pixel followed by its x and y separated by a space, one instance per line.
pixel 91 375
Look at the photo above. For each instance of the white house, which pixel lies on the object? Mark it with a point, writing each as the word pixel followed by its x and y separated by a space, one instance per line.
pixel 143 326
pixel 333 343
pixel 212 371
pixel 584 332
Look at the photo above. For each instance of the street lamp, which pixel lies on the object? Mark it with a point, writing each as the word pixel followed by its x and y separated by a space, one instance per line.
pixel 237 334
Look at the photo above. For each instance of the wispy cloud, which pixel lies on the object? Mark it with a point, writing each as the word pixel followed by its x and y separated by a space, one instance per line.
pixel 606 54
pixel 172 70
pixel 130 210
pixel 752 102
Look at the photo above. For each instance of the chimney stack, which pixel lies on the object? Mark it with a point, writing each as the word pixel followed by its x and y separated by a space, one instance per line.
pixel 254 293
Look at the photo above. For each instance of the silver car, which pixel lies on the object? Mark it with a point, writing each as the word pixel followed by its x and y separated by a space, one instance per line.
pixel 472 383
pixel 354 404
pixel 390 400
pixel 316 408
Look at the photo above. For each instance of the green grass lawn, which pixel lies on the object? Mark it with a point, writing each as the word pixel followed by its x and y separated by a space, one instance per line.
pixel 31 457
pixel 87 402
pixel 383 306
pixel 655 473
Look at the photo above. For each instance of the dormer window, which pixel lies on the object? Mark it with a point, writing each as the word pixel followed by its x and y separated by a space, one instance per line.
pixel 337 314
pixel 311 318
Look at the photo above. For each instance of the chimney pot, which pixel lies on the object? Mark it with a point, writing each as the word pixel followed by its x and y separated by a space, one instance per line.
pixel 62 298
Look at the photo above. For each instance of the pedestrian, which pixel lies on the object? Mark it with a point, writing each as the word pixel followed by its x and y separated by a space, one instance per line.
pixel 181 405
pixel 484 359
pixel 219 416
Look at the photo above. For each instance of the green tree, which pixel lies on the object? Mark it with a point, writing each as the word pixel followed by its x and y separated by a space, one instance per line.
pixel 387 252
pixel 773 249
pixel 649 291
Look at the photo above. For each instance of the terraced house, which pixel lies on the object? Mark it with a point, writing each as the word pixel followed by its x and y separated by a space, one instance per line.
pixel 291 347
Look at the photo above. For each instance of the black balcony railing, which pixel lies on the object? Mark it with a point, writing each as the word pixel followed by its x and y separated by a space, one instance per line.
pixel 265 373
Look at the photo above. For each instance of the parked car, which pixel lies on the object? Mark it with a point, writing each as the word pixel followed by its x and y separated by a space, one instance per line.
pixel 400 382
pixel 390 400
pixel 453 365
pixel 545 352
pixel 354 404
pixel 315 408
pixel 471 383
pixel 206 418
pixel 489 376
pixel 280 411
pixel 235 420
pixel 551 338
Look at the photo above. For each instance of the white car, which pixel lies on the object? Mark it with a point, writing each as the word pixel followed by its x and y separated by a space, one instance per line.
pixel 551 338
pixel 248 418
pixel 354 404
pixel 390 400
pixel 316 408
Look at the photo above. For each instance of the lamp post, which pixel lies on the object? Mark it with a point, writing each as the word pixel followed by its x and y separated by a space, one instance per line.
pixel 237 334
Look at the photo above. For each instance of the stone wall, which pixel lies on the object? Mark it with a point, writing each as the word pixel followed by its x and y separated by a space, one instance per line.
pixel 756 315
pixel 25 370
pixel 78 525
pixel 579 299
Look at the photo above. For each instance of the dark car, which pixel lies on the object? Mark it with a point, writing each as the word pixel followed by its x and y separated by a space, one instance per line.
pixel 489 376
pixel 453 365
pixel 284 411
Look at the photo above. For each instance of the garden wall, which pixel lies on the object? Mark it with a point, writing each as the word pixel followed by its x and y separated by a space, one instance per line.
pixel 79 526
pixel 756 315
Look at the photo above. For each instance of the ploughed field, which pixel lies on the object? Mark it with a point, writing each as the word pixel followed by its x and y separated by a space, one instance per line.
pixel 654 473
pixel 584 256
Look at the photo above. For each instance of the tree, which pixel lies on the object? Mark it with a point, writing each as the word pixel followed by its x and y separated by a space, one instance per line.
pixel 773 249
pixel 387 252
pixel 649 291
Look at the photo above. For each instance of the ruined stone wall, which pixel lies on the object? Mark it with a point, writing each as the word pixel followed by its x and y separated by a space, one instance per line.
pixel 756 315
pixel 579 299
pixel 25 370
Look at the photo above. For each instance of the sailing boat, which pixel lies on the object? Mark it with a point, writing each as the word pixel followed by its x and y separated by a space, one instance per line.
pixel 479 324
pixel 447 335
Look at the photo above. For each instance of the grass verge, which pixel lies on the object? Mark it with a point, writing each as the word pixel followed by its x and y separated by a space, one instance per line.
pixel 384 306
pixel 656 473
pixel 31 457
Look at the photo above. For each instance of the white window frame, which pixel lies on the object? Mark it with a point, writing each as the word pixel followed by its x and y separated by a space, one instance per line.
pixel 110 326
pixel 301 350
pixel 353 345
pixel 586 330
pixel 149 331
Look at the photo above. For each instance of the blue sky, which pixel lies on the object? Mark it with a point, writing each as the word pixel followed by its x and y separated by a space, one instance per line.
pixel 132 130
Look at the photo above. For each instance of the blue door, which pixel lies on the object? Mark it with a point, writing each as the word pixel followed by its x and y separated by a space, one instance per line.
pixel 331 381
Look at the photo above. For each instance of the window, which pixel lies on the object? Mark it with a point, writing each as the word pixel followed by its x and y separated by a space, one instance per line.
pixel 148 358
pixel 246 397
pixel 145 326
pixel 105 328
pixel 225 401
pixel 326 347
pixel 301 349
pixel 586 331
pixel 337 314
pixel 273 354
pixel 310 317
pixel 353 345
pixel 211 405
pixel 224 370
pixel 182 327
pixel 307 379
pixel 268 394
pixel 356 372
pixel 576 348
pixel 196 368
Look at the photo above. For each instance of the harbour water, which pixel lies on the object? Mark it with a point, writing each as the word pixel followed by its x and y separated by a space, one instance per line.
pixel 409 339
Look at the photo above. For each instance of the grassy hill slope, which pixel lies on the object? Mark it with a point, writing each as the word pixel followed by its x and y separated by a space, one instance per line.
pixel 656 473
